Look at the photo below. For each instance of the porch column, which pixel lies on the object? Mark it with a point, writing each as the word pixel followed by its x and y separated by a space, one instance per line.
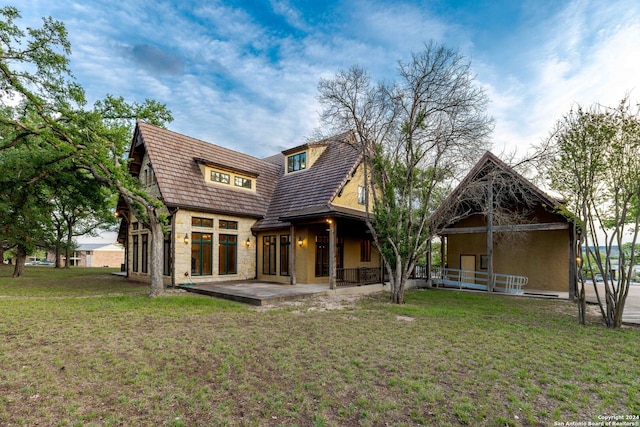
pixel 332 253
pixel 292 255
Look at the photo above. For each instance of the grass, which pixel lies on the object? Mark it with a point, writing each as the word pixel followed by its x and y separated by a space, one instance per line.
pixel 444 358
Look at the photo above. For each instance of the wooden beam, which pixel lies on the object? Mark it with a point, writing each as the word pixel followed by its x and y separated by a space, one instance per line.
pixel 332 252
pixel 547 226
pixel 293 243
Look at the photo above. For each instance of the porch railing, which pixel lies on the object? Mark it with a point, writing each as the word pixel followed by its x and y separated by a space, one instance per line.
pixel 357 276
pixel 468 279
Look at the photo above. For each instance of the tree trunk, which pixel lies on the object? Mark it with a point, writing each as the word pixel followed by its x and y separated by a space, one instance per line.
pixel 157 243
pixel 398 281
pixel 582 305
pixel 58 242
pixel 67 260
pixel 21 256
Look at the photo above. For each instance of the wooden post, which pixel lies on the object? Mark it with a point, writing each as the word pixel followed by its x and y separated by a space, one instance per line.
pixel 573 263
pixel 332 253
pixel 292 255
pixel 490 234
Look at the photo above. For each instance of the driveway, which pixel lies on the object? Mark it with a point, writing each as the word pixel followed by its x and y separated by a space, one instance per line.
pixel 631 312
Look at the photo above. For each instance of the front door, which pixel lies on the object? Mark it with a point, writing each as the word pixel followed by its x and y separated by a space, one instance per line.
pixel 468 267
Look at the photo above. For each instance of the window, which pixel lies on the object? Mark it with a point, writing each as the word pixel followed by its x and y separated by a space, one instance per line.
pixel 220 177
pixel 322 255
pixel 135 225
pixel 202 222
pixel 362 195
pixel 223 224
pixel 285 245
pixel 269 254
pixel 227 261
pixel 201 254
pixel 134 267
pixel 166 259
pixel 365 251
pixel 88 252
pixel 145 253
pixel 297 162
pixel 242 182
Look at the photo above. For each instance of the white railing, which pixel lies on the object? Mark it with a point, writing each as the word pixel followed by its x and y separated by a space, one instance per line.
pixel 467 279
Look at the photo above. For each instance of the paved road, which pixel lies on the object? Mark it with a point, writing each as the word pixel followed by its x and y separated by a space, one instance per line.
pixel 631 312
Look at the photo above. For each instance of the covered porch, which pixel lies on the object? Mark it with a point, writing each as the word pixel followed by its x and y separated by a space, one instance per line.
pixel 330 246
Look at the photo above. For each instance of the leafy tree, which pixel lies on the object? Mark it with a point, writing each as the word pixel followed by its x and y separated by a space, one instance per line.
pixel 81 205
pixel 415 134
pixel 595 164
pixel 42 102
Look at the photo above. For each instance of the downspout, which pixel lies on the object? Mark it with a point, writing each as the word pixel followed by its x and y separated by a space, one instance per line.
pixel 255 269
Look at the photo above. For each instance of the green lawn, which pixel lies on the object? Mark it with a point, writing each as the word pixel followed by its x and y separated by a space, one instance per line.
pixel 444 358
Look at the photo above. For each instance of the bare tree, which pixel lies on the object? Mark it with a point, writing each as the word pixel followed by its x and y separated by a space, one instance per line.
pixel 416 135
pixel 594 161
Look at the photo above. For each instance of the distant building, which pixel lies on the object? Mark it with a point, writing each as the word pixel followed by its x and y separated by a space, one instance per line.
pixel 98 255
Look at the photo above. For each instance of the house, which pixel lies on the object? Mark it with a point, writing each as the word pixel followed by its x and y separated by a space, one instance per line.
pixel 98 255
pixel 497 222
pixel 295 217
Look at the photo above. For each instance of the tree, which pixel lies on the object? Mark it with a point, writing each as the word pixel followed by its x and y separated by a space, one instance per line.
pixel 595 164
pixel 81 205
pixel 42 102
pixel 415 135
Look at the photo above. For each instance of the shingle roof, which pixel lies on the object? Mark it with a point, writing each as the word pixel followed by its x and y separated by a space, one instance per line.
pixel 311 191
pixel 489 162
pixel 174 158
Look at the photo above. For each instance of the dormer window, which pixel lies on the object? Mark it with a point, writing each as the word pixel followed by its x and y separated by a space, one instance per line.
pixel 221 177
pixel 225 175
pixel 242 182
pixel 297 162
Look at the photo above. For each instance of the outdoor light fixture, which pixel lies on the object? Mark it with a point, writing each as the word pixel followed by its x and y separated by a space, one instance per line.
pixel 186 239
pixel 329 221
pixel 248 242
pixel 300 241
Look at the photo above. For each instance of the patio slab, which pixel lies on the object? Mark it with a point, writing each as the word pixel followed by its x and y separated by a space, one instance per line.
pixel 265 293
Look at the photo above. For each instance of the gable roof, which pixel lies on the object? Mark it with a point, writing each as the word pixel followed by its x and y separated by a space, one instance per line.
pixel 176 159
pixel 310 192
pixel 488 163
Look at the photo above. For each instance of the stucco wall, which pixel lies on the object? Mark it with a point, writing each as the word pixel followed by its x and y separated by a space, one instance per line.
pixel 542 256
pixel 348 197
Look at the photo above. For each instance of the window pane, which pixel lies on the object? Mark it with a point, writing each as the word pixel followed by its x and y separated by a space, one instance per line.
pixel 242 182
pixel 206 257
pixel 220 177
pixel 227 256
pixel 284 255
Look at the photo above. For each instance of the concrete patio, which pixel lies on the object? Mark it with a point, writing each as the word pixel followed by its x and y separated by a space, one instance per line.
pixel 259 293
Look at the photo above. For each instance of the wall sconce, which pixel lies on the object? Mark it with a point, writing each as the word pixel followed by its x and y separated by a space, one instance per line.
pixel 186 239
pixel 300 241
pixel 248 242
pixel 329 221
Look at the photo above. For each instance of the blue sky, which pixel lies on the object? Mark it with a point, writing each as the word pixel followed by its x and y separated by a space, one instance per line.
pixel 244 74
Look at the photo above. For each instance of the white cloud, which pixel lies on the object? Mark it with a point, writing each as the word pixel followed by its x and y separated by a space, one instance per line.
pixel 588 58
